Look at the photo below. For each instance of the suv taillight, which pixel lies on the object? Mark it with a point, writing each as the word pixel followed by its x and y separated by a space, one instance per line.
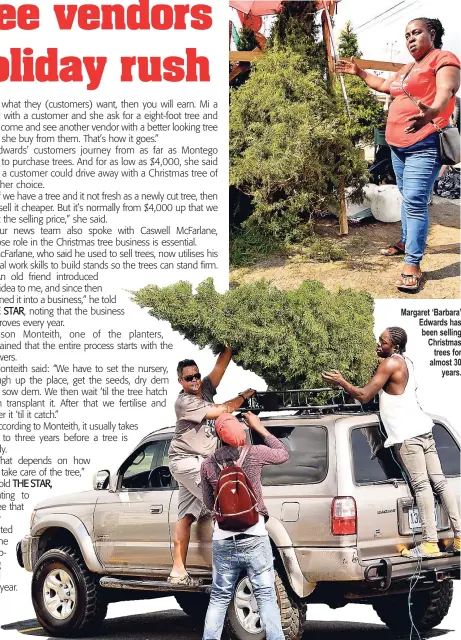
pixel 343 516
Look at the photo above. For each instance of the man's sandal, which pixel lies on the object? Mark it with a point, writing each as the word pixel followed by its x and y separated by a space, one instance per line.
pixel 184 581
pixel 403 284
pixel 396 249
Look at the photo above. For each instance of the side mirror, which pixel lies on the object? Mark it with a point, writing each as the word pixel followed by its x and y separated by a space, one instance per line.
pixel 101 480
pixel 113 482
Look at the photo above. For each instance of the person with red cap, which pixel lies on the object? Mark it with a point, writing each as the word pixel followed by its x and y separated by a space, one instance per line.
pixel 249 550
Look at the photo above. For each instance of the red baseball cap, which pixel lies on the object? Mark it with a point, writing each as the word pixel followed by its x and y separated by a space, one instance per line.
pixel 230 430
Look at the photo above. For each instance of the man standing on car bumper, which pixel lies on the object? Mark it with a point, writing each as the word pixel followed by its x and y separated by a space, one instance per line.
pixel 194 440
pixel 409 431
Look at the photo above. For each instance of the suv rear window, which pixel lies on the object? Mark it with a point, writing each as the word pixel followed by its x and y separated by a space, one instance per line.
pixel 374 463
pixel 308 461
pixel 447 449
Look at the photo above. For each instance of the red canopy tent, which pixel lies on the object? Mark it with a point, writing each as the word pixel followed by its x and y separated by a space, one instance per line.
pixel 258 8
pixel 266 7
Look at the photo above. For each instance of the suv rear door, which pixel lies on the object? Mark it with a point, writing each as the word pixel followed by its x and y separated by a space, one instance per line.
pixel 299 492
pixel 386 512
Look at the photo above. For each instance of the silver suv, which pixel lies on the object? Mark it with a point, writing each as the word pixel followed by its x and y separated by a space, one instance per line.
pixel 339 513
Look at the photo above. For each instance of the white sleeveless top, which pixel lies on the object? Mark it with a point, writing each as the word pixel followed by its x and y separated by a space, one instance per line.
pixel 401 415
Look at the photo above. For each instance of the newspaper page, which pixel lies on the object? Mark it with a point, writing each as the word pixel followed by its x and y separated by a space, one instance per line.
pixel 245 208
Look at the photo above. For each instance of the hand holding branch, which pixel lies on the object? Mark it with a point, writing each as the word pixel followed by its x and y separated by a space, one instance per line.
pixel 333 377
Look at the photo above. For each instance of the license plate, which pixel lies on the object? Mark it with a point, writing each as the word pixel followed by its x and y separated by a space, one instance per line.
pixel 414 520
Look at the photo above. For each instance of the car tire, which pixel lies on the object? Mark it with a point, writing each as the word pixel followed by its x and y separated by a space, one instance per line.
pixel 428 608
pixel 67 598
pixel 194 605
pixel 292 612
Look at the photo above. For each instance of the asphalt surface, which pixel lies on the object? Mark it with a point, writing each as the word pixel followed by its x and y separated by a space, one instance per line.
pixel 175 625
pixel 162 619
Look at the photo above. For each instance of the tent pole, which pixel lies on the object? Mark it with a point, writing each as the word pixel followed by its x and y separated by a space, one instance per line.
pixel 328 39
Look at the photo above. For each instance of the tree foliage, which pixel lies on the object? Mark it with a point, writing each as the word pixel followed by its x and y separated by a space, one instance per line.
pixel 246 40
pixel 348 46
pixel 286 337
pixel 288 142
pixel 367 112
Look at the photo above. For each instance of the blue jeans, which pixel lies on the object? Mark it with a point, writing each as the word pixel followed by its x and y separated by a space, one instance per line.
pixel 416 168
pixel 230 558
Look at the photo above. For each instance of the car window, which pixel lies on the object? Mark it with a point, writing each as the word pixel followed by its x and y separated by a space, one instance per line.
pixel 163 478
pixel 372 462
pixel 164 457
pixel 138 472
pixel 308 461
pixel 448 450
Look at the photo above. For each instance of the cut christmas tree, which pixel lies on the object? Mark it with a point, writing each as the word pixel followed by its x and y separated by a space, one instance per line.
pixel 286 337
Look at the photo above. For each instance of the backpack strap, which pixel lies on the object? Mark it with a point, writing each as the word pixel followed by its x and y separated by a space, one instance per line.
pixel 239 462
pixel 221 467
pixel 243 455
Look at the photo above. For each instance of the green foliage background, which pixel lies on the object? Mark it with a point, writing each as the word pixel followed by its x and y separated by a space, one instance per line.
pixel 290 138
pixel 286 337
pixel 367 112
pixel 247 40
pixel 287 147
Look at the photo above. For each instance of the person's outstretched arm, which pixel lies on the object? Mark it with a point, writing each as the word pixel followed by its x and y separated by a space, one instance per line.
pixel 447 83
pixel 215 410
pixel 350 67
pixel 220 367
pixel 366 393
pixel 272 451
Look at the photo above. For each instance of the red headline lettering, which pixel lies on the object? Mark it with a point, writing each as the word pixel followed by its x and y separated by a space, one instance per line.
pixel 115 16
pixel 22 66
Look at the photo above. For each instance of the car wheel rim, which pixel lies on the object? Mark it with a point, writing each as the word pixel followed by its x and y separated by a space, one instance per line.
pixel 59 594
pixel 246 607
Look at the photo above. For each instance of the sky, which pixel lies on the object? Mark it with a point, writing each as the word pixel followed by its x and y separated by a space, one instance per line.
pixel 383 38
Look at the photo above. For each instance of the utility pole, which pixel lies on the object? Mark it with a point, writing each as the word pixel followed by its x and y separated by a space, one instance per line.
pixel 390 46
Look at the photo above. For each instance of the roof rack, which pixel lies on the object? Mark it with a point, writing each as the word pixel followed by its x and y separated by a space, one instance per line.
pixel 306 401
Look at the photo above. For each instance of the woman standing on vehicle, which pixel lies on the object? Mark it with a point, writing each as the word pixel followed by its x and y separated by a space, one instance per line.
pixel 424 98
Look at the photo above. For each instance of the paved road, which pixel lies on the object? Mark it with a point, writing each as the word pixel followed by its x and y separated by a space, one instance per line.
pixel 162 620
pixel 175 625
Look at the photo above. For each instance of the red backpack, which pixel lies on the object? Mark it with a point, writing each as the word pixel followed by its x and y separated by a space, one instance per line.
pixel 235 505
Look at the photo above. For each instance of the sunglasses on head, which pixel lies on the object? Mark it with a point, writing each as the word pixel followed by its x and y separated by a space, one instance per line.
pixel 195 376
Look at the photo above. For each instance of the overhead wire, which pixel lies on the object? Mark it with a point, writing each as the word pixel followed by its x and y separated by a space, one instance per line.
pixel 375 24
pixel 381 14
pixel 400 17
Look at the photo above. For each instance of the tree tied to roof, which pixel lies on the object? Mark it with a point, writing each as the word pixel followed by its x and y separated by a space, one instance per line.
pixel 288 143
pixel 286 337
